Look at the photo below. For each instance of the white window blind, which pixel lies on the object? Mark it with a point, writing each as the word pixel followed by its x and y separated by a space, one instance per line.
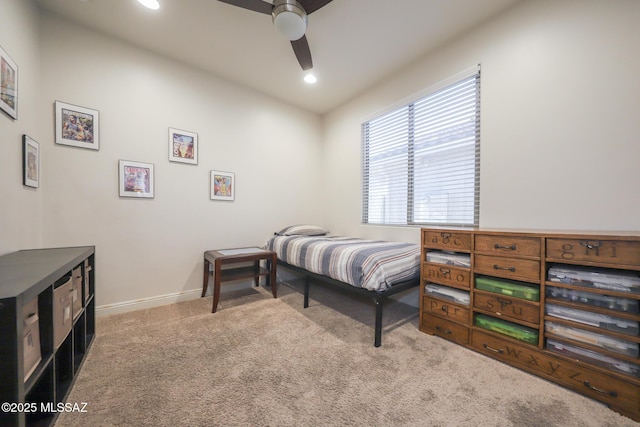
pixel 421 161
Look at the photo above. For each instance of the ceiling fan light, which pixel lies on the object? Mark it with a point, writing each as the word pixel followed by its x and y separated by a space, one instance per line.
pixel 290 19
pixel 151 4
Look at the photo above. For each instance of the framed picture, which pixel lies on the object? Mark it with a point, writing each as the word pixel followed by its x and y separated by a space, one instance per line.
pixel 223 185
pixel 183 146
pixel 136 179
pixel 8 85
pixel 77 126
pixel 30 162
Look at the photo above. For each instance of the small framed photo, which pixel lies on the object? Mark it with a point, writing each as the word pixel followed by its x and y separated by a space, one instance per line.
pixel 8 85
pixel 136 179
pixel 30 162
pixel 223 185
pixel 77 126
pixel 183 146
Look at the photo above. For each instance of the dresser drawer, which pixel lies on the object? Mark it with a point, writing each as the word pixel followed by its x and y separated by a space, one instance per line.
pixel 446 275
pixel 445 329
pixel 447 240
pixel 507 307
pixel 501 245
pixel 445 310
pixel 620 394
pixel 509 268
pixel 613 252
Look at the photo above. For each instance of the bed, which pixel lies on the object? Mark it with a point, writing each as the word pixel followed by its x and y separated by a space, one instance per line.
pixel 377 269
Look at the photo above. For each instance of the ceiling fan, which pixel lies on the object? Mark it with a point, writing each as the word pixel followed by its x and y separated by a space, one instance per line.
pixel 290 18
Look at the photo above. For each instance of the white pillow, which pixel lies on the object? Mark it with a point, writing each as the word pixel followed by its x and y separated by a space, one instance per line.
pixel 303 230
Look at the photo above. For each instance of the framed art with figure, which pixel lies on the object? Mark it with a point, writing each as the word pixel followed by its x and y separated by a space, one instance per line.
pixel 136 179
pixel 8 85
pixel 223 185
pixel 183 146
pixel 77 126
pixel 30 162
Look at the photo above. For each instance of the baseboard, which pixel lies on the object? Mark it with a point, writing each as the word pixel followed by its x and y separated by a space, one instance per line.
pixel 125 306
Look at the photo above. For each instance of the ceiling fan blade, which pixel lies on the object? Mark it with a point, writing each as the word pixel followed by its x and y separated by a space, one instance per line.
pixel 313 5
pixel 303 53
pixel 255 5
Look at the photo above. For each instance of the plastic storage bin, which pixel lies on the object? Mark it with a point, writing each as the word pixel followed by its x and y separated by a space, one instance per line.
pixel 599 278
pixel 508 287
pixel 593 357
pixel 447 293
pixel 513 330
pixel 449 258
pixel 624 326
pixel 625 305
pixel 603 341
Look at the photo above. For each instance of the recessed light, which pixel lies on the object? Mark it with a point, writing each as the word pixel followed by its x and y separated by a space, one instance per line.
pixel 151 4
pixel 310 78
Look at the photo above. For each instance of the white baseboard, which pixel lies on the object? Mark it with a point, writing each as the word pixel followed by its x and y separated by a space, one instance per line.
pixel 125 306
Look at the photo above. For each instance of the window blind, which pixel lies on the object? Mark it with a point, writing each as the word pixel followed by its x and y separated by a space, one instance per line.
pixel 421 160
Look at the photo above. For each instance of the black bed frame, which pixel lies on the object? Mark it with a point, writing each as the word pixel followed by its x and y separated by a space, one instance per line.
pixel 378 296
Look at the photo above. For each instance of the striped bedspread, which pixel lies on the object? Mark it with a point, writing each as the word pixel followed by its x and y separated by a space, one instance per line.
pixel 371 264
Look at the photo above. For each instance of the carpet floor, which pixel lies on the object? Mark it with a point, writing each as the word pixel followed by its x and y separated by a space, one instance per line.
pixel 261 361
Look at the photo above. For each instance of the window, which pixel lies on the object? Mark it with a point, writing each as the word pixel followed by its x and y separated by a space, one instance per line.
pixel 421 161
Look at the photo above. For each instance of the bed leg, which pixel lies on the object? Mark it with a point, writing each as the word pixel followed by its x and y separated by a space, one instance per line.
pixel 306 291
pixel 378 338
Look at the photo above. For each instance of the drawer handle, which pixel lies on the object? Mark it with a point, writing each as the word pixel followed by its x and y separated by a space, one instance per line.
pixel 590 244
pixel 446 331
pixel 444 308
pixel 506 248
pixel 497 267
pixel 504 301
pixel 609 393
pixel 445 237
pixel 495 350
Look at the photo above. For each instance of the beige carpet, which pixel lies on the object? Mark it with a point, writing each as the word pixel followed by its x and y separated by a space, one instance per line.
pixel 261 361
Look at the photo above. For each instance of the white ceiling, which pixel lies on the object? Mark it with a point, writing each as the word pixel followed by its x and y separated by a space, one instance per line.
pixel 354 43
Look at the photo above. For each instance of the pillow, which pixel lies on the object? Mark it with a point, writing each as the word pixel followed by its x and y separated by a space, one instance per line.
pixel 303 230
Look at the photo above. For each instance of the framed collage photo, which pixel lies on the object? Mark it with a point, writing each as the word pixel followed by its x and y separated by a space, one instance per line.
pixel 77 126
pixel 30 162
pixel 136 179
pixel 183 146
pixel 223 185
pixel 8 85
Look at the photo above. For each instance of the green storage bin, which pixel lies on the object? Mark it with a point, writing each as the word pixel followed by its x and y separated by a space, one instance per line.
pixel 508 287
pixel 513 330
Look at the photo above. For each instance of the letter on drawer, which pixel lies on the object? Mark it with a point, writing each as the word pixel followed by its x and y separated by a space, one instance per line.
pixel 617 252
pixel 447 240
pixel 446 275
pixel 443 309
pixel 508 307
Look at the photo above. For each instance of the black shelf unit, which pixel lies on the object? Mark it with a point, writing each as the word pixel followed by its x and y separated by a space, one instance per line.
pixel 37 273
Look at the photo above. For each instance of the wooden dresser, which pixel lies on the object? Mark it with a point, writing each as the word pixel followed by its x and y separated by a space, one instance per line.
pixel 563 306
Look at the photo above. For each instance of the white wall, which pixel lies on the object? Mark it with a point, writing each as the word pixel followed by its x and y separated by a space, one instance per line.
pixel 559 120
pixel 560 103
pixel 20 206
pixel 147 248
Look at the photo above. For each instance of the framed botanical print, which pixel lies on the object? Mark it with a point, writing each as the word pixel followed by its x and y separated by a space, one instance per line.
pixel 30 162
pixel 136 179
pixel 223 185
pixel 8 85
pixel 183 146
pixel 77 126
